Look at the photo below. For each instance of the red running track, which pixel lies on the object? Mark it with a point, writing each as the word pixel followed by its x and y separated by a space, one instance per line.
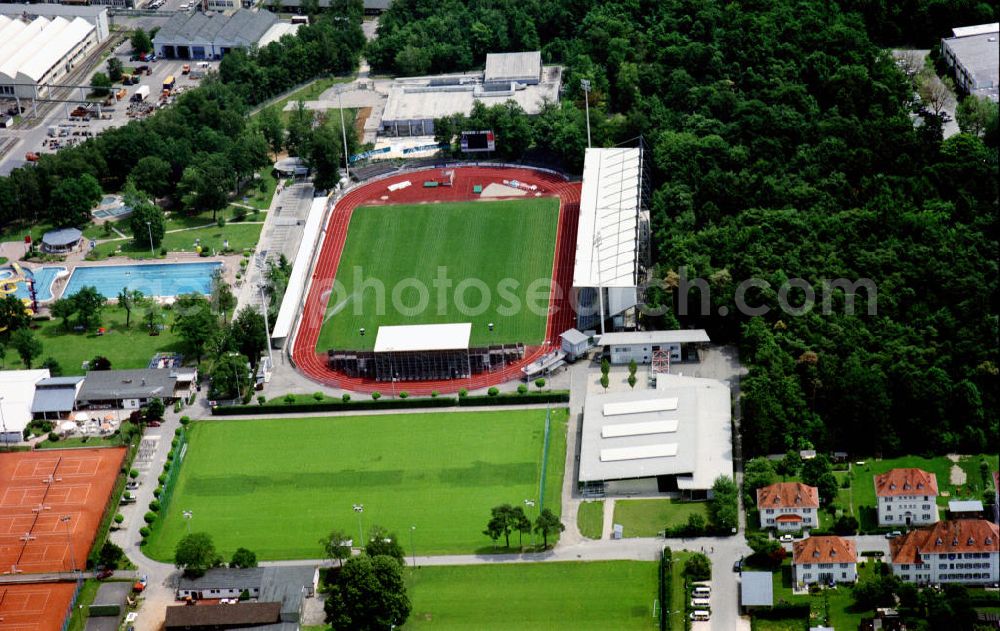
pixel 561 316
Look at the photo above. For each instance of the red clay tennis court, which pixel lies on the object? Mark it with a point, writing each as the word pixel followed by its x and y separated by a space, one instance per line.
pixel 313 364
pixel 35 607
pixel 50 499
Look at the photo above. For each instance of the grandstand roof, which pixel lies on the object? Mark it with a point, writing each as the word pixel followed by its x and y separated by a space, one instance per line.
pixel 607 237
pixel 423 337
pixel 513 66
pixel 242 28
pixel 677 336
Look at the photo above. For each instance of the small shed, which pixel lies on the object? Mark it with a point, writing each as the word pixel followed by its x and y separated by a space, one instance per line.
pixel 62 240
pixel 756 591
pixel 291 167
pixel 574 343
pixel 965 509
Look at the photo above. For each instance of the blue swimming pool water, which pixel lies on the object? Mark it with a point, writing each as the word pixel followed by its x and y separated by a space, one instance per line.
pixel 43 278
pixel 153 279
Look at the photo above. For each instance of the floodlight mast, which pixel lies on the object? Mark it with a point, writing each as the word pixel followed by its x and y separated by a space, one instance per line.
pixel 585 84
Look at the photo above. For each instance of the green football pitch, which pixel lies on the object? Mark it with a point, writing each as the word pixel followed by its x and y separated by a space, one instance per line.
pixel 595 595
pixel 440 263
pixel 278 486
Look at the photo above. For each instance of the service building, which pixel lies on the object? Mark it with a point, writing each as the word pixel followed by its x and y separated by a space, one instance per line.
pixel 974 55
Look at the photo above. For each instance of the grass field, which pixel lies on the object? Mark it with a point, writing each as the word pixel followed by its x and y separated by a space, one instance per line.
pixel 646 518
pixel 440 472
pixel 590 519
pixel 678 605
pixel 478 243
pixel 598 595
pixel 831 607
pixel 239 234
pixel 126 348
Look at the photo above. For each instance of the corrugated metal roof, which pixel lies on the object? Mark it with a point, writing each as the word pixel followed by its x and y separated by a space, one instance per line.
pixel 65 236
pixel 242 28
pixel 53 400
pixel 965 506
pixel 102 385
pixel 35 46
pixel 57 49
pixel 756 589
pixel 608 227
pixel 225 578
pixel 52 382
pixel 574 337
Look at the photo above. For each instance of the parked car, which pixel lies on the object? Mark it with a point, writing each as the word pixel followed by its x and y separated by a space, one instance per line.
pixel 153 424
pixel 893 534
pixel 786 538
pixel 700 614
pixel 738 566
pixel 105 573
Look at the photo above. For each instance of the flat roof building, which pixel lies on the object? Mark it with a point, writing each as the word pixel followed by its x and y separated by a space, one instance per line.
pixel 677 437
pixel 96 15
pixel 211 35
pixel 643 346
pixel 415 102
pixel 55 397
pixel 17 392
pixel 974 54
pixel 129 389
pixel 756 591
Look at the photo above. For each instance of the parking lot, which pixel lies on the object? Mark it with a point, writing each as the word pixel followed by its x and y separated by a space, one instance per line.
pixel 70 123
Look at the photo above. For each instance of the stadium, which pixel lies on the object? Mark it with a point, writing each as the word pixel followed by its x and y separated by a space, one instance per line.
pixel 400 229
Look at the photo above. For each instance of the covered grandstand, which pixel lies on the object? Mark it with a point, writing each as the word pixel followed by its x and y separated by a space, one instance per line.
pixel 294 297
pixel 612 239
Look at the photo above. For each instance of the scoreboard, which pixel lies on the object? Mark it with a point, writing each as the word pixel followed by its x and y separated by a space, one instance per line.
pixel 478 141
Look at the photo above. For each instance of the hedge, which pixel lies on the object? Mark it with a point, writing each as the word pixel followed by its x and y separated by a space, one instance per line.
pixel 666 576
pixel 782 611
pixel 101 611
pixel 558 396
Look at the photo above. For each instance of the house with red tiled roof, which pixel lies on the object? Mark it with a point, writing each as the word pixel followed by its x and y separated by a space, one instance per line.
pixel 951 551
pixel 826 560
pixel 906 497
pixel 788 506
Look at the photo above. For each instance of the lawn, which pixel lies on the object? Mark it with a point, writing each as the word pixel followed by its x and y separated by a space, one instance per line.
pixel 440 472
pixel 478 245
pixel 596 595
pixel 786 624
pixel 239 234
pixel 860 498
pixel 311 92
pixel 80 613
pixel 832 607
pixel 647 518
pixel 590 519
pixel 126 348
pixel 678 592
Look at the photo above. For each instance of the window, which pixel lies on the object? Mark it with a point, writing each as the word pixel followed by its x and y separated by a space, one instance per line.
pixel 888 517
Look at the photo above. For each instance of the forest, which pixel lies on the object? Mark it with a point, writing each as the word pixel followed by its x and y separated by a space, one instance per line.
pixel 785 143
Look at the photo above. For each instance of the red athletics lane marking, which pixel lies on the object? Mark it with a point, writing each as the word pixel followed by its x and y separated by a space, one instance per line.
pixel 313 364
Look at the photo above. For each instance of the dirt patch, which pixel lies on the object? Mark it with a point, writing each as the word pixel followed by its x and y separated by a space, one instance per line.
pixel 956 476
pixel 359 122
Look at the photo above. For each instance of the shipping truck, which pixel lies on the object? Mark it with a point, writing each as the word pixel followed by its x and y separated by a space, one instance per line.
pixel 141 93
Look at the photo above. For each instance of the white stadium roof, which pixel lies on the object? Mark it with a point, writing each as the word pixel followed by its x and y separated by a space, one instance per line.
pixel 682 429
pixel 608 233
pixel 423 337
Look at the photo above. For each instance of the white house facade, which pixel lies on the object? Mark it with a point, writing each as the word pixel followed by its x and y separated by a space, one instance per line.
pixel 788 506
pixel 906 497
pixel 825 560
pixel 954 551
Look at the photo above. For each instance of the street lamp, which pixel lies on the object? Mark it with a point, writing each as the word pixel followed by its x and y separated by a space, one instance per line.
pixel 585 84
pixel 267 327
pixel 187 520
pixel 360 508
pixel 69 540
pixel 3 427
pixel 343 132
pixel 413 549
pixel 149 228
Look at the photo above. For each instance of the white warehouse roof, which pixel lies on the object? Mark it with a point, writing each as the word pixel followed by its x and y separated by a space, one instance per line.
pixel 17 392
pixel 629 338
pixel 423 337
pixel 978 29
pixel 40 46
pixel 57 49
pixel 608 234
pixel 682 428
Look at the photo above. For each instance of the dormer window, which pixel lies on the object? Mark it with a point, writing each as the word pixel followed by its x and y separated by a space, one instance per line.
pixel 906 486
pixel 938 541
pixel 892 486
pixel 970 542
pixel 816 554
pixel 954 541
pixel 920 485
pixel 833 553
pixel 989 541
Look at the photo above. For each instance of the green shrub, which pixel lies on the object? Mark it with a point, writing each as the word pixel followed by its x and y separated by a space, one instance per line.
pixel 434 394
pixel 404 394
pixel 522 388
pixel 119 518
pixel 462 392
pixel 158 491
pixel 149 517
pixel 493 391
pixel 289 398
pixel 154 506
pixel 261 400
pixel 345 397
pixel 185 420
pixel 53 437
pixel 376 395
pixel 318 396
pixel 144 532
pixel 174 443
pixel 134 473
pixel 540 383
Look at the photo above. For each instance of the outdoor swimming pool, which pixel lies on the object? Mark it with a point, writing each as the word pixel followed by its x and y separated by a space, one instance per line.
pixel 152 279
pixel 43 278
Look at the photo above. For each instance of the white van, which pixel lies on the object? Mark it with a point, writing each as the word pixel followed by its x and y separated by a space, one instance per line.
pixel 701 591
pixel 700 615
pixel 700 603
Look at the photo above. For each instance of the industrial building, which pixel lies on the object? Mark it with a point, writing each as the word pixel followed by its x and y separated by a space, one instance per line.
pixel 211 35
pixel 17 392
pixel 974 55
pixel 41 44
pixel 371 7
pixel 612 239
pixel 643 347
pixel 674 439
pixel 414 102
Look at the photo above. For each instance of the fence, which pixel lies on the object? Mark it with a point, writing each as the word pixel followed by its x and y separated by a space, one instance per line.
pixel 666 576
pixel 175 467
pixel 528 398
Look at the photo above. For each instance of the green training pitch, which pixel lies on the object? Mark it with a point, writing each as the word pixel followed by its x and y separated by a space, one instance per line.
pixel 502 246
pixel 278 486
pixel 595 595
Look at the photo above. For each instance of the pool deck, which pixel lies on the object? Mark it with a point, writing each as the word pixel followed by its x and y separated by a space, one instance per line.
pixel 14 250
